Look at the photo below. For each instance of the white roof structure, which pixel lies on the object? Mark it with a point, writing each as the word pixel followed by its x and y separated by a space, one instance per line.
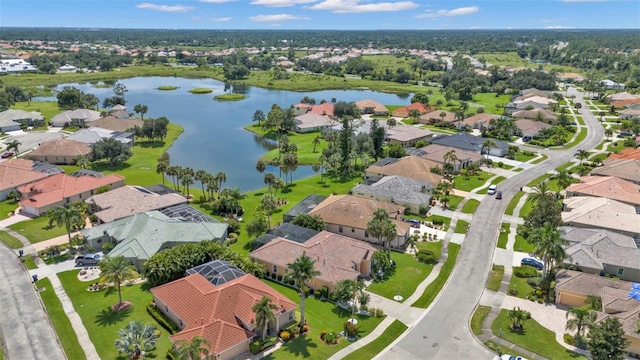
pixel 83 115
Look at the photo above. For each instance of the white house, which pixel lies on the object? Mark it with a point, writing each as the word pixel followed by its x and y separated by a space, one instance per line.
pixel 15 65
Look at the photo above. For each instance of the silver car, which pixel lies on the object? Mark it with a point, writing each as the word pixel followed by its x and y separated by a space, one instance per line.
pixel 89 259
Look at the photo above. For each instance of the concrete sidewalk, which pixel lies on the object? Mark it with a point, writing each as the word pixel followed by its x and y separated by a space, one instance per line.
pixel 365 340
pixel 398 310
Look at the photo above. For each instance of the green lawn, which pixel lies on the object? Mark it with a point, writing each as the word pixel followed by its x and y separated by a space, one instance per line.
pixel 503 237
pixel 489 101
pixel 578 139
pixel 9 240
pixel 60 320
pixel 434 246
pixel 502 348
pixel 526 208
pixel 495 278
pixel 521 286
pixel 599 147
pixel 513 203
pixel 6 207
pixel 454 201
pixel 542 158
pixel 495 181
pixel 103 324
pixel 461 227
pixel 321 315
pixel 38 229
pixel 404 278
pixel 565 166
pixel 520 156
pixel 471 182
pixel 373 348
pixel 534 337
pixel 522 244
pixel 48 109
pixel 478 317
pixel 445 220
pixel 27 260
pixel 304 142
pixel 616 146
pixel 470 206
pixel 434 288
pixel 537 180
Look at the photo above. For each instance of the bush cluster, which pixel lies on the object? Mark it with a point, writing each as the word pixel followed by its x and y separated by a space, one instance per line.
pixel 525 271
pixel 427 257
pixel 161 319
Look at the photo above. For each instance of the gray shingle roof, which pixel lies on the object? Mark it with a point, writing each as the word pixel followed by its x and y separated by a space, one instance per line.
pixel 466 141
pixel 9 117
pixel 595 248
pixel 399 189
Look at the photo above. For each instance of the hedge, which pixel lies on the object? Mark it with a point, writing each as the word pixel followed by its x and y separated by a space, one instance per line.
pixel 161 319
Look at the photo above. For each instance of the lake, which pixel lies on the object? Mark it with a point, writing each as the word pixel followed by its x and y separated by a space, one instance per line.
pixel 214 139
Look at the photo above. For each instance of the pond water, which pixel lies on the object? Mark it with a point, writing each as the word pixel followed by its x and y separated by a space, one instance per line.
pixel 214 139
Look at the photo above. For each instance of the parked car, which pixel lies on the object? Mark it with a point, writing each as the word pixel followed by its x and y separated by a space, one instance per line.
pixel 532 262
pixel 414 223
pixel 7 154
pixel 511 357
pixel 492 189
pixel 499 195
pixel 89 259
pixel 625 133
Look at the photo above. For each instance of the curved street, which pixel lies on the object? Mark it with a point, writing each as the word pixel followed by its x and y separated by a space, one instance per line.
pixel 443 330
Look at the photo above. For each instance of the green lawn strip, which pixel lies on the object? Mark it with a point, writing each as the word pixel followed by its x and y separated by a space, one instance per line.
pixel 520 285
pixel 9 240
pixel 38 229
pixel 513 203
pixel 580 120
pixel 537 180
pixel 48 109
pixel 599 147
pixel 598 158
pixel 373 348
pixel 6 207
pixel 495 181
pixel 438 129
pixel 27 260
pixel 495 278
pixel 506 166
pixel 489 101
pixel 495 347
pixel 103 324
pixel 534 337
pixel 525 209
pixel 60 320
pixel 304 142
pixel 471 182
pixel 503 237
pixel 470 206
pixel 522 244
pixel 542 158
pixel 434 288
pixel 404 278
pixel 461 227
pixel 478 317
pixel 616 146
pixel 321 315
pixel 454 201
pixel 565 166
pixel 578 139
pixel 522 157
pixel 434 246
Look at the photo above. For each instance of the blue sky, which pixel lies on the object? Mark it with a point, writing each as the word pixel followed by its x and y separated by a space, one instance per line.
pixel 323 14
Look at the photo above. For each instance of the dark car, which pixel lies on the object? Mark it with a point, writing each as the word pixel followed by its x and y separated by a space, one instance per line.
pixel 7 154
pixel 499 195
pixel 532 262
pixel 414 223
pixel 625 133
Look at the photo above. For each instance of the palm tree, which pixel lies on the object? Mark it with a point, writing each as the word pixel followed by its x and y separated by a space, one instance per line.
pixel 264 314
pixel 581 318
pixel 202 176
pixel 81 161
pixel 302 271
pixel 135 338
pixel 487 145
pixel 261 166
pixel 518 317
pixel 375 225
pixel 450 158
pixel 444 189
pixel 222 178
pixel 268 205
pixel 391 122
pixel 66 216
pixel 316 141
pixel 195 349
pixel 548 245
pixel 174 172
pixel 15 146
pixel 116 270
pixel 541 192
pixel 564 179
pixel 141 109
pixel 161 168
pixel 278 183
pixel 258 116
pixel 389 232
pixel 582 155
pixel 443 115
pixel 187 179
pixel 212 186
pixel 236 196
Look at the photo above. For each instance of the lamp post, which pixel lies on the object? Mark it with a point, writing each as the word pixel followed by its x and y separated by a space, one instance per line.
pixel 499 341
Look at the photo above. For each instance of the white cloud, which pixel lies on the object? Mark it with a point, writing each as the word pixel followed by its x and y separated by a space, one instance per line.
pixel 278 17
pixel 216 1
pixel 220 19
pixel 355 6
pixel 551 27
pixel 281 3
pixel 453 12
pixel 165 8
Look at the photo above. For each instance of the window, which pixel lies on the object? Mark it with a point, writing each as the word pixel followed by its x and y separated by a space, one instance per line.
pixel 275 269
pixel 620 271
pixel 291 318
pixel 366 233
pixel 340 228
pixel 353 230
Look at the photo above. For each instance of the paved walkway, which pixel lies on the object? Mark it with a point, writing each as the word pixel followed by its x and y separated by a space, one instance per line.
pixel 14 219
pixel 365 340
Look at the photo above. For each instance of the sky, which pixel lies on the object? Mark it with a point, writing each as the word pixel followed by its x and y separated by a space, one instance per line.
pixel 323 14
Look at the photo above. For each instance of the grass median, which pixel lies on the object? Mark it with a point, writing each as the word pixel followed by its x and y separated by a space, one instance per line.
pixel 434 288
pixel 9 240
pixel 478 317
pixel 374 348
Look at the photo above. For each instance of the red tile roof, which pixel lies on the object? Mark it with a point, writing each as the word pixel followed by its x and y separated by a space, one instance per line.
pixel 627 153
pixel 15 172
pixel 404 111
pixel 322 109
pixel 217 312
pixel 623 103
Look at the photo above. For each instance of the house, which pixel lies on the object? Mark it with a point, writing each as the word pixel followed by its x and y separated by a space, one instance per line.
pixel 349 215
pixel 479 120
pixel 406 135
pixel 77 117
pixel 573 288
pixel 606 186
pixel 287 231
pixel 322 109
pixel 15 66
pixel 140 236
pixel 474 143
pixel 221 314
pixel 17 172
pixel 534 114
pixel 625 103
pixel 413 195
pixel 534 102
pixel 411 167
pixel 601 213
pixel 372 107
pixel 533 91
pixel 628 114
pixel 310 122
pixel 612 85
pixel 436 153
pixel 626 153
pixel 436 117
pixel 627 169
pixel 93 135
pixel 405 112
pixel 66 68
pixel 61 151
pixel 130 200
pixel 569 77
pixel 530 128
pixel 61 189
pixel 622 96
pixel 12 120
pixel 337 257
pixel 115 123
pixel 300 109
pixel 602 252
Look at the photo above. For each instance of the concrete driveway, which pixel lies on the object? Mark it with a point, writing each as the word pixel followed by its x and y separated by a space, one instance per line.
pixel 31 140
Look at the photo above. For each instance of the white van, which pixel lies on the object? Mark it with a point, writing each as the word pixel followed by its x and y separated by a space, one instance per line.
pixel 492 189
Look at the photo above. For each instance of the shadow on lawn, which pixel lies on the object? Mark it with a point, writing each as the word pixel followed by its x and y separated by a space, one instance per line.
pixel 108 317
pixel 297 347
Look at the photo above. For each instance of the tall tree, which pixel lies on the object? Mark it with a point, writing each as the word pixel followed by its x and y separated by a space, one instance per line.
pixel 564 179
pixel 186 180
pixel 116 270
pixel 173 171
pixel 582 155
pixel 316 142
pixel 377 137
pixel 449 158
pixel 14 145
pixel 119 90
pixel 302 270
pixel 202 176
pixel 111 150
pixel 222 178
pixel 346 146
pixel 580 318
pixel 136 338
pixel 67 216
pixel 268 205
pixel 264 314
pixel 259 117
pixel 487 144
pixel 261 166
pixel 196 349
pixel 161 168
pixel 141 109
pixel 606 340
pixel 548 245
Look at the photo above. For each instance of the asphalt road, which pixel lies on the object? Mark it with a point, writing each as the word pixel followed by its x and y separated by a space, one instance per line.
pixel 443 332
pixel 24 327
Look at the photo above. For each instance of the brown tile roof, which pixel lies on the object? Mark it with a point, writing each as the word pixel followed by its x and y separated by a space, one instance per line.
pixel 435 116
pixel 356 212
pixel 531 127
pixel 626 153
pixel 58 187
pixel 628 169
pixel 484 118
pixel 607 186
pixel 62 148
pixel 217 312
pixel 371 104
pixel 322 109
pixel 15 172
pixel 532 114
pixel 601 213
pixel 334 254
pixel 587 284
pixel 116 124
pixel 411 167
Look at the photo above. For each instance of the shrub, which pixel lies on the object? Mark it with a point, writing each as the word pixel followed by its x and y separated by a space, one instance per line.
pixel 351 330
pixel 161 319
pixel 324 292
pixel 423 210
pixel 254 347
pixel 513 292
pixel 525 271
pixel 294 329
pixel 438 221
pixel 378 313
pixel 279 277
pixel 569 339
pixel 273 276
pixel 305 328
pixel 322 334
pixel 535 282
pixel 267 344
pixel 330 338
pixel 285 335
pixel 427 257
